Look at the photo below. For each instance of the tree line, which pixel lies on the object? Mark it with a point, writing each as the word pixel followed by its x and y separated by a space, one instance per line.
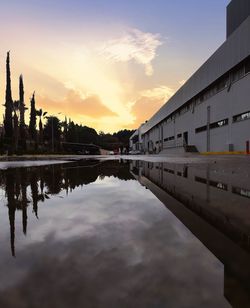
pixel 46 133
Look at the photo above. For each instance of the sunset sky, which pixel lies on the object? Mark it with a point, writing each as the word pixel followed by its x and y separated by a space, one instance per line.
pixel 107 64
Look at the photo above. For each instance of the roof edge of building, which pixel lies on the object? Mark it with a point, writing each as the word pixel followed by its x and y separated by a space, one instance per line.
pixel 229 54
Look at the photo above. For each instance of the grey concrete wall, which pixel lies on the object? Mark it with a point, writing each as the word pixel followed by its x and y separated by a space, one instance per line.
pixel 223 105
pixel 237 12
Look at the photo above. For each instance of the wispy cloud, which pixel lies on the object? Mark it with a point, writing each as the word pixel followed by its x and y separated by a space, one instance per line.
pixel 148 102
pixel 134 45
pixel 76 106
pixel 159 93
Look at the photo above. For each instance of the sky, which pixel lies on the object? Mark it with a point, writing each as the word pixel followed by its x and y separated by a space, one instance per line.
pixel 107 64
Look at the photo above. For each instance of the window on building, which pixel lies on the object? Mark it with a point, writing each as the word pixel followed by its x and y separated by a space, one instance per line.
pixel 200 180
pixel 218 185
pixel 241 117
pixel 212 126
pixel 247 66
pixel 201 129
pixel 219 124
pixel 201 98
pixel 222 84
pixel 238 74
pixel 179 135
pixel 169 138
pixel 241 192
pixel 169 170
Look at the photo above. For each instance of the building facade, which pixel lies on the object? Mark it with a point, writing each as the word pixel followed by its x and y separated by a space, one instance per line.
pixel 135 141
pixel 211 111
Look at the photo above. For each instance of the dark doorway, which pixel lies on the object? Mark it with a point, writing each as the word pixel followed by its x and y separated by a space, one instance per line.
pixel 185 138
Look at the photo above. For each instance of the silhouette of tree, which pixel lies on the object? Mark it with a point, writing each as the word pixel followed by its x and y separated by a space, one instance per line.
pixel 65 129
pixel 22 109
pixel 24 199
pixel 116 140
pixel 32 125
pixel 34 191
pixel 52 130
pixel 21 101
pixel 87 134
pixel 15 124
pixel 71 134
pixel 8 104
pixel 123 136
pixel 10 193
pixel 41 115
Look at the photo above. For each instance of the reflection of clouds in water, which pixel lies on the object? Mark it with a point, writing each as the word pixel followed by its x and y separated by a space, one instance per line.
pixel 82 212
pixel 91 273
pixel 110 245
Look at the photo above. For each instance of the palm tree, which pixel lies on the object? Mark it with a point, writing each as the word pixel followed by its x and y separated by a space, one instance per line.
pixel 41 115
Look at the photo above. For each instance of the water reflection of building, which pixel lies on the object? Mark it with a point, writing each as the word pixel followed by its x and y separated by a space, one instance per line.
pixel 214 204
pixel 35 185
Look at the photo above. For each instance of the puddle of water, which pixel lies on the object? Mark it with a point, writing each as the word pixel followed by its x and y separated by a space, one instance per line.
pixel 124 234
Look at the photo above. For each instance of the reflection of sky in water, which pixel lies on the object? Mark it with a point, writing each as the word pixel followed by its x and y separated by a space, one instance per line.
pixel 111 243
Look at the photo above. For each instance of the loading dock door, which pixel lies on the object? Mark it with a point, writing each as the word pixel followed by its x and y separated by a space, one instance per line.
pixel 185 138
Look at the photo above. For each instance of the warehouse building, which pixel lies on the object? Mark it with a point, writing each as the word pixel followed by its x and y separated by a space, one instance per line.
pixel 211 111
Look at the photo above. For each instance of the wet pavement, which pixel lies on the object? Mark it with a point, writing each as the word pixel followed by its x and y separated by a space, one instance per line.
pixel 120 233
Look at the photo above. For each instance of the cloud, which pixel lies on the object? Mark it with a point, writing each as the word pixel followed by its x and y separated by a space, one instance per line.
pixel 134 45
pixel 74 105
pixel 161 93
pixel 95 82
pixel 144 109
pixel 87 109
pixel 149 102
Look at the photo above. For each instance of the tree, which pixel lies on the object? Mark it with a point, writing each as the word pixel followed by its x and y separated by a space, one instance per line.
pixel 15 124
pixel 8 104
pixel 10 193
pixel 32 125
pixel 71 134
pixel 52 131
pixel 21 101
pixel 41 115
pixel 123 137
pixel 22 109
pixel 65 128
